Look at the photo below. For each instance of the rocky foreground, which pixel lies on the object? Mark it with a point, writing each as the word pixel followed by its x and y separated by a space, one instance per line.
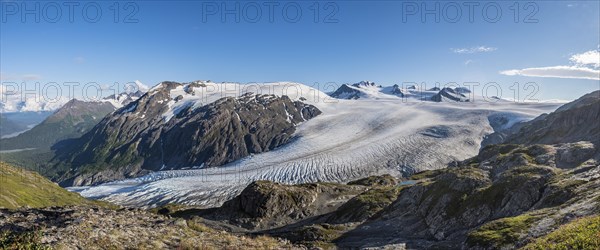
pixel 84 227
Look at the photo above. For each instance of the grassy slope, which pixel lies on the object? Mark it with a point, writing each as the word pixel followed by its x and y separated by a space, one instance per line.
pixel 583 233
pixel 20 187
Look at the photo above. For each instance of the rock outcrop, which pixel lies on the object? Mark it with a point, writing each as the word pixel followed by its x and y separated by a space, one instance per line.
pixel 267 205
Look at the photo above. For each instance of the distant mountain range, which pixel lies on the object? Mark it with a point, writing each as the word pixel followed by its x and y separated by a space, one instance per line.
pixel 367 89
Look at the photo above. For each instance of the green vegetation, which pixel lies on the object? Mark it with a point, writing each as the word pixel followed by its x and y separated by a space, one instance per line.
pixel 426 174
pixel 366 204
pixel 583 233
pixel 200 236
pixel 501 232
pixel 319 235
pixel 17 241
pixel 19 187
pixel 519 178
pixel 376 180
pixel 452 187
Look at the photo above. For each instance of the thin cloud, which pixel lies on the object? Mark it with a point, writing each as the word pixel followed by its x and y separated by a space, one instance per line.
pixel 31 77
pixel 571 72
pixel 472 50
pixel 584 66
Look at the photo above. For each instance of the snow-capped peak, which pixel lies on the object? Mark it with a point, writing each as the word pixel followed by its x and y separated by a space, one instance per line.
pixel 141 87
pixel 120 100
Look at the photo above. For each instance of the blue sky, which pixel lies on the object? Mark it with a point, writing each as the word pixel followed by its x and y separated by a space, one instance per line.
pixel 368 41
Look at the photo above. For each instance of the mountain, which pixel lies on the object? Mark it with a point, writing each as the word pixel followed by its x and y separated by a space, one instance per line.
pixel 346 92
pixel 449 94
pixel 354 91
pixel 170 128
pixel 397 91
pixel 370 90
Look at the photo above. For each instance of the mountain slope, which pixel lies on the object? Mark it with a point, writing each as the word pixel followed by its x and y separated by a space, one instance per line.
pixel 20 187
pixel 575 121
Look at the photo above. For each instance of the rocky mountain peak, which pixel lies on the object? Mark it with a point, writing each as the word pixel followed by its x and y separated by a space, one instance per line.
pixel 364 84
pixel 397 91
pixel 449 94
pixel 346 92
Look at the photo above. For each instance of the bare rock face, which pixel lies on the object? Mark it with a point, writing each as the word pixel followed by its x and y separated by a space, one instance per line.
pixel 140 137
pixel 345 92
pixel 570 155
pixel 449 94
pixel 397 91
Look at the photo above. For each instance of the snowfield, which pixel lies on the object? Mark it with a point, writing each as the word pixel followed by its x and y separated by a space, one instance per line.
pixel 375 134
